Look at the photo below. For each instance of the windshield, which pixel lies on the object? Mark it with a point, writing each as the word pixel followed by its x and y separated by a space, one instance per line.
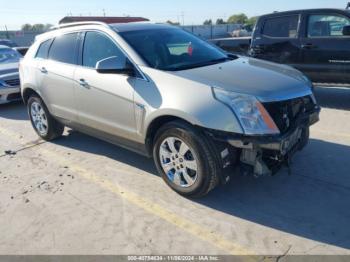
pixel 173 49
pixel 8 55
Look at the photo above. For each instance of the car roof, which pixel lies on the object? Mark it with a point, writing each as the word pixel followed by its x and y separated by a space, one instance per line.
pixel 332 10
pixel 118 27
pixel 137 26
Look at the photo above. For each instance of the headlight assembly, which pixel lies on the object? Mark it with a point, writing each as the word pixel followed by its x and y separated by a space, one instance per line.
pixel 254 118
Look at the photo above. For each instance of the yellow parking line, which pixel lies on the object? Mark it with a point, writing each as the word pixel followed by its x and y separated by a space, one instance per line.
pixel 199 231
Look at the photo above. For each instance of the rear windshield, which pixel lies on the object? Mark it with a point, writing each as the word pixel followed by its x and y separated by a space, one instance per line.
pixel 173 49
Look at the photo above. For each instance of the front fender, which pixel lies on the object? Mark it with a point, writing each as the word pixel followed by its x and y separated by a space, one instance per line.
pixel 216 117
pixel 27 87
pixel 173 96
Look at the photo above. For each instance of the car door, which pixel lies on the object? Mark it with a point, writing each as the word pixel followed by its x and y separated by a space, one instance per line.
pixel 56 76
pixel 35 71
pixel 326 51
pixel 105 101
pixel 276 39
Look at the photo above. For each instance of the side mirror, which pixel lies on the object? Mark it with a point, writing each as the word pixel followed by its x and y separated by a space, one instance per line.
pixel 346 30
pixel 115 65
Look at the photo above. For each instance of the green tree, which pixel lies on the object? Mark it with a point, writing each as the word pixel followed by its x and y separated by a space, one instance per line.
pixel 26 27
pixel 220 21
pixel 208 22
pixel 252 21
pixel 38 27
pixel 238 19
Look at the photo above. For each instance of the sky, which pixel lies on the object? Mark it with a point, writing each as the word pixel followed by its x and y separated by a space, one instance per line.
pixel 14 13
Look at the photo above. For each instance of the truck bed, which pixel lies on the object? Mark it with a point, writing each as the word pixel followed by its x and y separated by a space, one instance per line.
pixel 238 45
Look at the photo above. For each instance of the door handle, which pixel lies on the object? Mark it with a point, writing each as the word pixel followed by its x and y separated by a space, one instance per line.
pixel 83 83
pixel 43 70
pixel 308 46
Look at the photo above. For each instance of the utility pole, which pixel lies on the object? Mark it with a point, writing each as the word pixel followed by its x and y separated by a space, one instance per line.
pixel 7 32
pixel 183 18
pixel 104 12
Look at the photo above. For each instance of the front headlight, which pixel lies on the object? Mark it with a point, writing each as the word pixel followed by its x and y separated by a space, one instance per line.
pixel 252 115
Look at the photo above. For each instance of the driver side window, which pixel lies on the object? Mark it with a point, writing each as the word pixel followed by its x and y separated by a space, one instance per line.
pixel 97 47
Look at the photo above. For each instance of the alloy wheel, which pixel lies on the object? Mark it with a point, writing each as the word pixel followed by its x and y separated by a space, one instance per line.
pixel 178 161
pixel 39 118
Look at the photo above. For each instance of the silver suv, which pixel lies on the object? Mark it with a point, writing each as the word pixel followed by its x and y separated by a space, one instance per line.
pixel 163 92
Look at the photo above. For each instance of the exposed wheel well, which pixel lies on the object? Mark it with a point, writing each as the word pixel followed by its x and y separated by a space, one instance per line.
pixel 154 127
pixel 28 92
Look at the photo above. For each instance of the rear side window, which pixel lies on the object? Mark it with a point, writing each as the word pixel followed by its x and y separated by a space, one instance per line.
pixel 97 47
pixel 327 25
pixel 44 49
pixel 64 49
pixel 286 26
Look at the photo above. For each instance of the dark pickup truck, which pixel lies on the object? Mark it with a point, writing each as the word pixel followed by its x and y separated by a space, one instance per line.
pixel 317 42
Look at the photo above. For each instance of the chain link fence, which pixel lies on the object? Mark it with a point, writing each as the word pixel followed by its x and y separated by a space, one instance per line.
pixel 25 38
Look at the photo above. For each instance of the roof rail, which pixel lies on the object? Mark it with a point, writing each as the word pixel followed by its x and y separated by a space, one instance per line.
pixel 78 24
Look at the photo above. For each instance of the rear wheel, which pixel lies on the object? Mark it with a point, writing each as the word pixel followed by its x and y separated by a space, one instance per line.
pixel 184 159
pixel 43 123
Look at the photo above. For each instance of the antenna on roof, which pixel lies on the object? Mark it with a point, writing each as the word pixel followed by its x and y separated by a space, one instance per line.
pixel 348 6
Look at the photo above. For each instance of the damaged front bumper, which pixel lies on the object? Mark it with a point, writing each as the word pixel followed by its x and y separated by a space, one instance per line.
pixel 266 154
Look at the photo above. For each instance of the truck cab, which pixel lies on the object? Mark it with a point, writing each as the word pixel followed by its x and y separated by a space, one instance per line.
pixel 316 42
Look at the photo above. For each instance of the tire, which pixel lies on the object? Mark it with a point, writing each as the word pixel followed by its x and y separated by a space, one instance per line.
pixel 196 183
pixel 51 128
pixel 305 138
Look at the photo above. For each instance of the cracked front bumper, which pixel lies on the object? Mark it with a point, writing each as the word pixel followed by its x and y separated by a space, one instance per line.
pixel 282 143
pixel 266 154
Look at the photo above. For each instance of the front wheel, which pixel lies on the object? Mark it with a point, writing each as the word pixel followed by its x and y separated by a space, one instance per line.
pixel 184 159
pixel 43 123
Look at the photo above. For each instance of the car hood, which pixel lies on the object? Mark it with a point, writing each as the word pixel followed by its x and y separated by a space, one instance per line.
pixel 8 68
pixel 265 80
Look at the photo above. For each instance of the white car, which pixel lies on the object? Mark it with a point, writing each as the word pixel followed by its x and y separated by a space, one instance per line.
pixel 9 77
pixel 163 92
